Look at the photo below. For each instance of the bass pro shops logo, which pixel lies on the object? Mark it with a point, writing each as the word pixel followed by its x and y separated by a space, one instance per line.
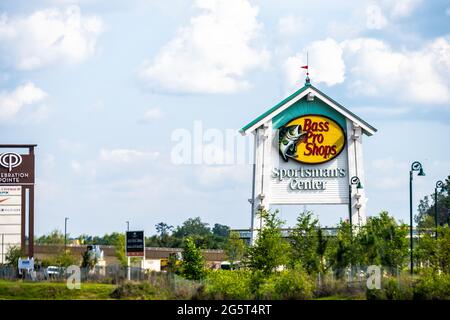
pixel 311 139
pixel 10 160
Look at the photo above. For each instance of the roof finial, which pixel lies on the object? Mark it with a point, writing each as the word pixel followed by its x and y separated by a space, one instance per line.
pixel 307 80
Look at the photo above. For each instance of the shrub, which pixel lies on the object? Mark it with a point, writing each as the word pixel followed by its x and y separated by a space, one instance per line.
pixel 287 284
pixel 130 290
pixel 228 284
pixel 432 286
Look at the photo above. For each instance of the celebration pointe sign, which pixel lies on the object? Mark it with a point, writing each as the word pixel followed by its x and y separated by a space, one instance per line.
pixel 16 198
pixel 308 150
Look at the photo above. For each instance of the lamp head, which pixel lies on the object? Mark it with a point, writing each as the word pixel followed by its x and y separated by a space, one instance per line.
pixel 359 186
pixel 421 172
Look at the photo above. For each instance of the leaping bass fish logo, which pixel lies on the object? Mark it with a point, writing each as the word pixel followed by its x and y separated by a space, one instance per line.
pixel 289 137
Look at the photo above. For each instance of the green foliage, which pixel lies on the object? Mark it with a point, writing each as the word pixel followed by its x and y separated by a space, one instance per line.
pixel 234 249
pixel 432 286
pixel 383 241
pixel 174 264
pixel 309 245
pixel 426 210
pixel 287 285
pixel 344 249
pixel 427 286
pixel 193 266
pixel 119 245
pixel 25 290
pixel 136 291
pixel 54 237
pixel 12 256
pixel 435 254
pixel 89 260
pixel 228 284
pixel 265 255
pixel 65 259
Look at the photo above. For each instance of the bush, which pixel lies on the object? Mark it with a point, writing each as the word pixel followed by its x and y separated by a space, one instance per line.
pixel 287 285
pixel 432 287
pixel 131 290
pixel 228 284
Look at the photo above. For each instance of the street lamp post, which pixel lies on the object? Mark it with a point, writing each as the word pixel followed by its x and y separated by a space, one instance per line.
pixel 65 234
pixel 439 185
pixel 353 181
pixel 128 225
pixel 415 166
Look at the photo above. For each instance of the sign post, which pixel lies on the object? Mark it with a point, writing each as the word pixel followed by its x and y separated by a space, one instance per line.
pixel 17 197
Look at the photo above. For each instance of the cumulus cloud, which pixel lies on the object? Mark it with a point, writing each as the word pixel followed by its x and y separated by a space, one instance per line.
pixel 291 25
pixel 48 36
pixel 372 67
pixel 151 115
pixel 24 96
pixel 126 155
pixel 415 76
pixel 212 54
pixel 326 64
pixel 375 18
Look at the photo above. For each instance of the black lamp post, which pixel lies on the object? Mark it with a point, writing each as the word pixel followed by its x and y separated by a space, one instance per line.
pixel 353 181
pixel 128 225
pixel 439 185
pixel 415 166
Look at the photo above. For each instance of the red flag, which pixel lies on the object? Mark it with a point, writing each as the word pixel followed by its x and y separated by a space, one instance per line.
pixel 305 67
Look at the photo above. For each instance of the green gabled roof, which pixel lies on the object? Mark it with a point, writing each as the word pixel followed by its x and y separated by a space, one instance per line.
pixel 278 105
pixel 295 94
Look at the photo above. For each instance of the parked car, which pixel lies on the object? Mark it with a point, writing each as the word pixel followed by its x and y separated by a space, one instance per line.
pixel 53 272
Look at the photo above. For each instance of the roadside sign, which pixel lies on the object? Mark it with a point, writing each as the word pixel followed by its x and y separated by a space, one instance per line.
pixel 135 244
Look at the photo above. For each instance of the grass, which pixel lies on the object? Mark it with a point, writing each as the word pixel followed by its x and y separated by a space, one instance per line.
pixel 25 290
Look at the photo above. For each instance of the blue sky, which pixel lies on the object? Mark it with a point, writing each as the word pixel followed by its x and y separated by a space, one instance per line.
pixel 101 86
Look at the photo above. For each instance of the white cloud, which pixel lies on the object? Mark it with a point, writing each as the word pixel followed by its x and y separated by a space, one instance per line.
pixel 151 115
pixel 291 25
pixel 325 64
pixel 375 18
pixel 402 8
pixel 126 155
pixel 372 67
pixel 48 36
pixel 415 76
pixel 210 55
pixel 12 103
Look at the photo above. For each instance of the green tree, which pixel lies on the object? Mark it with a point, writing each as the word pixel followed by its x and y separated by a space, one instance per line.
pixel 192 227
pixel 12 256
pixel 163 230
pixel 54 237
pixel 304 243
pixel 435 254
pixel 89 259
pixel 383 241
pixel 221 230
pixel 65 259
pixel 193 263
pixel 425 217
pixel 119 244
pixel 269 250
pixel 234 249
pixel 344 249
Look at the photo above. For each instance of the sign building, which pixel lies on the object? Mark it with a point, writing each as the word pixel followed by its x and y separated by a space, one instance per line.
pixel 16 199
pixel 308 150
